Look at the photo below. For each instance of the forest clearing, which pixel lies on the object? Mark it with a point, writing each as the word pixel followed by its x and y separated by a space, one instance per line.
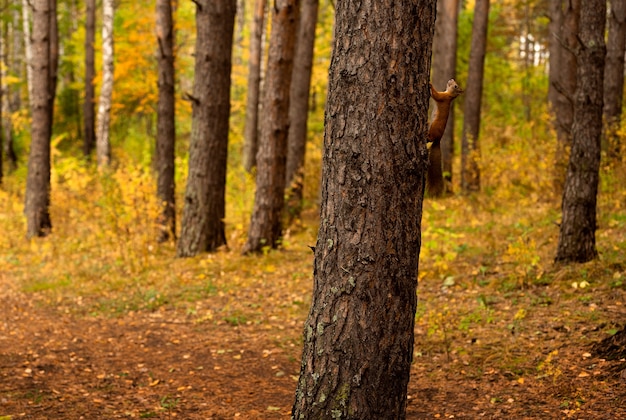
pixel 218 209
pixel 99 322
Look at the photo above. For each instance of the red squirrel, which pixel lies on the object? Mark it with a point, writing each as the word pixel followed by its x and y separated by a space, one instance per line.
pixel 443 101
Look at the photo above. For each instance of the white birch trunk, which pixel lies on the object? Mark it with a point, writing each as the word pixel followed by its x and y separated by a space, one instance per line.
pixel 103 145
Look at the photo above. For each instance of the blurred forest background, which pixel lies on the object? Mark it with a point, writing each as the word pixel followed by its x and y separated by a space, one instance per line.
pixel 487 268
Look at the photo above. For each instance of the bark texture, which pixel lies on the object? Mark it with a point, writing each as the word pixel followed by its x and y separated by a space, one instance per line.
pixel 38 179
pixel 204 208
pixel 166 127
pixel 614 75
pixel 103 141
pixel 565 85
pixel 269 199
pixel 299 106
pixel 470 150
pixel 251 124
pixel 444 69
pixel 89 113
pixel 358 338
pixel 577 241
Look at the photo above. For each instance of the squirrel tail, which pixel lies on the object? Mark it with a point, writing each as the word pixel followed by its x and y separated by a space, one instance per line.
pixel 434 177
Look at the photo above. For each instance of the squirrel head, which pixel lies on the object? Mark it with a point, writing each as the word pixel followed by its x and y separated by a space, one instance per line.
pixel 453 88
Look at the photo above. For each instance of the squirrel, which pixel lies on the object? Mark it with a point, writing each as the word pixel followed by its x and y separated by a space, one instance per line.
pixel 443 101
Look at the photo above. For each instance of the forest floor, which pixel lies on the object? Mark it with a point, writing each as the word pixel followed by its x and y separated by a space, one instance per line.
pixel 501 332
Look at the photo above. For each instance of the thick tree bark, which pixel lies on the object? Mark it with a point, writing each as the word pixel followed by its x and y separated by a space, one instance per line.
pixel 299 105
pixel 251 124
pixel 470 150
pixel 614 76
pixel 358 338
pixel 166 128
pixel 204 208
pixel 577 241
pixel 444 69
pixel 103 141
pixel 38 180
pixel 565 86
pixel 266 224
pixel 89 115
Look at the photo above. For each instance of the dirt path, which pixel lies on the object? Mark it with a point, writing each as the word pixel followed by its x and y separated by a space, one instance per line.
pixel 159 365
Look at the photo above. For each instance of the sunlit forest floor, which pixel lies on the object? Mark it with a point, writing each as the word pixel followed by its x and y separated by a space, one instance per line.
pixel 99 321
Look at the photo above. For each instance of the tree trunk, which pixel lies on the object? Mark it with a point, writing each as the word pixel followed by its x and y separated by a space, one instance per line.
pixel 555 50
pixel 204 208
pixel 299 105
pixel 166 131
pixel 577 241
pixel 251 130
pixel 358 338
pixel 470 150
pixel 4 38
pixel 614 76
pixel 444 69
pixel 13 99
pixel 89 117
pixel 566 86
pixel 266 224
pixel 38 178
pixel 54 56
pixel 103 142
pixel 28 49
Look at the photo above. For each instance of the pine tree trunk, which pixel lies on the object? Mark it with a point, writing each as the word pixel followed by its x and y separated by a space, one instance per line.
pixel 103 141
pixel 266 224
pixel 614 76
pixel 38 180
pixel 166 131
pixel 577 241
pixel 470 150
pixel 444 68
pixel 89 116
pixel 358 338
pixel 251 125
pixel 566 86
pixel 299 105
pixel 204 208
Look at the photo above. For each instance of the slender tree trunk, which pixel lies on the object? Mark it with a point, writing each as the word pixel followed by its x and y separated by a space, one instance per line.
pixel 251 124
pixel 470 150
pixel 103 141
pixel 166 127
pixel 89 115
pixel 28 49
pixel 358 338
pixel 614 76
pixel 13 99
pixel 38 179
pixel 54 55
pixel 204 208
pixel 266 224
pixel 3 92
pixel 566 86
pixel 444 69
pixel 577 241
pixel 555 49
pixel 299 105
